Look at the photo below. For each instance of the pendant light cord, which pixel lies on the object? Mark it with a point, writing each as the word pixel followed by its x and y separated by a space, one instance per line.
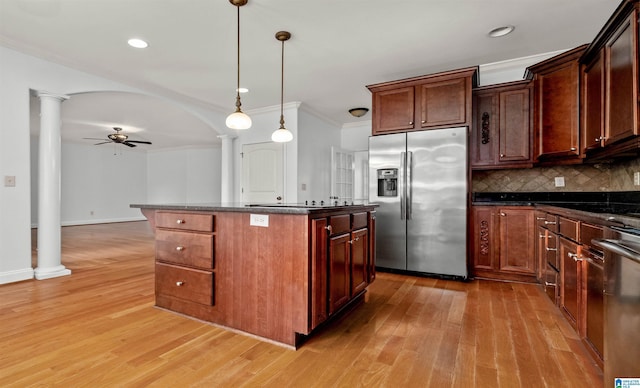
pixel 282 89
pixel 238 104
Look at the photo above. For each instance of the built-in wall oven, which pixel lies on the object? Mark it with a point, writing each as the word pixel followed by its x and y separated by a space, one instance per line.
pixel 621 247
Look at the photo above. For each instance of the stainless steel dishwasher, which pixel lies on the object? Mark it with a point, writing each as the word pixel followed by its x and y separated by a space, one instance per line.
pixel 621 248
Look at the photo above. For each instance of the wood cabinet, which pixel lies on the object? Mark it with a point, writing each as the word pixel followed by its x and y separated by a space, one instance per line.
pixel 185 258
pixel 571 298
pixel 348 258
pixel 610 114
pixel 428 102
pixel 501 134
pixel 279 278
pixel 593 93
pixel 556 105
pixel 621 73
pixel 503 243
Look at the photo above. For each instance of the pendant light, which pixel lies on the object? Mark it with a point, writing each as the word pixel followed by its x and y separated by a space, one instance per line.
pixel 238 119
pixel 282 134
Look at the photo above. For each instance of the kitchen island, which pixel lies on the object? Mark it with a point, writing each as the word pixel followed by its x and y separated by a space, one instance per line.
pixel 274 271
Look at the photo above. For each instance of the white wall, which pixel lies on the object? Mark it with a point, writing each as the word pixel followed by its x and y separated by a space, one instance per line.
pixel 184 175
pixel 314 150
pixel 97 183
pixel 20 73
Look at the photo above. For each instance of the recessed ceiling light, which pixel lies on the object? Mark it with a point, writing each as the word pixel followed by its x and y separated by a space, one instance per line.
pixel 501 31
pixel 242 90
pixel 137 43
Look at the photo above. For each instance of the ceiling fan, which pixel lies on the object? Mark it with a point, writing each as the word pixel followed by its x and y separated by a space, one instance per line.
pixel 119 138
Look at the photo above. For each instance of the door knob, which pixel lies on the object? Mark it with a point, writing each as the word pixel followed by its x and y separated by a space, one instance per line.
pixel 279 198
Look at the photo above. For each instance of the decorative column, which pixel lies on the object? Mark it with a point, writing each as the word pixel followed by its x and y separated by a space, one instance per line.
pixel 226 167
pixel 49 231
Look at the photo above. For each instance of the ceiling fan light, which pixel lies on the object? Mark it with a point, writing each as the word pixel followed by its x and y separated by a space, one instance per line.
pixel 238 120
pixel 137 43
pixel 501 31
pixel 282 135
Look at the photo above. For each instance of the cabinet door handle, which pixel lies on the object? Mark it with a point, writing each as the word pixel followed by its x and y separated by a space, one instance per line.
pixel 410 122
pixel 350 241
pixel 179 248
pixel 601 138
pixel 542 236
pixel 550 284
pixel 549 222
pixel 551 249
pixel 178 221
pixel 573 148
pixel 356 239
pixel 541 218
pixel 179 284
pixel 574 256
pixel 328 227
pixel 502 155
pixel 503 214
pixel 424 121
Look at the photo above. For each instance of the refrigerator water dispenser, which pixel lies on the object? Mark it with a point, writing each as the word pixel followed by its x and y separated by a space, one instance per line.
pixel 388 182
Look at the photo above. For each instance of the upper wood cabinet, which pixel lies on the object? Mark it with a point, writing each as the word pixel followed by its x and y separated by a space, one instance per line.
pixel 428 102
pixel 621 73
pixel 610 115
pixel 556 105
pixel 501 129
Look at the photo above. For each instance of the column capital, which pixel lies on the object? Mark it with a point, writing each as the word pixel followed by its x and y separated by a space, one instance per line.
pixel 226 137
pixel 42 93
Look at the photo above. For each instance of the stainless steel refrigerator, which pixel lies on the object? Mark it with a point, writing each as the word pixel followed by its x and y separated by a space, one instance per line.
pixel 419 179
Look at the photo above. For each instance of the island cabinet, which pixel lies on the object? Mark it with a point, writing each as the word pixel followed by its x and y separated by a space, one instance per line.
pixel 501 134
pixel 185 258
pixel 277 273
pixel 503 243
pixel 427 102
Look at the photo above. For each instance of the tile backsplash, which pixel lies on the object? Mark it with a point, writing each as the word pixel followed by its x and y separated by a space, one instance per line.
pixel 593 177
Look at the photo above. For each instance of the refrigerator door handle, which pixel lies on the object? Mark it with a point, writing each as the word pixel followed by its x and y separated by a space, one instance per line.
pixel 402 185
pixel 409 184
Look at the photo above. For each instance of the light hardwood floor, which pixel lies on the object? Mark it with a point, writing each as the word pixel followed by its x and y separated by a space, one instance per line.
pixel 99 328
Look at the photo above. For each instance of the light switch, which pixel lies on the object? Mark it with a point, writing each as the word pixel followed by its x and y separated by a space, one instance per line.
pixel 9 181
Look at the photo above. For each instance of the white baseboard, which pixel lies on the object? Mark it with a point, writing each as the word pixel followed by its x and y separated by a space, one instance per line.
pixel 16 276
pixel 94 221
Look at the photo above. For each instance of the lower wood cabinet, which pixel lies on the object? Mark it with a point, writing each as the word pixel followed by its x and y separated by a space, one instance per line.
pixel 571 272
pixel 503 243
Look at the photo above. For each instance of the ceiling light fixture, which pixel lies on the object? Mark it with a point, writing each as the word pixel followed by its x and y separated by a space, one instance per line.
pixel 501 31
pixel 238 119
pixel 358 112
pixel 137 43
pixel 282 134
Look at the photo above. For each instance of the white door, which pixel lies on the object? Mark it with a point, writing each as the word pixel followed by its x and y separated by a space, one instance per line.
pixel 263 173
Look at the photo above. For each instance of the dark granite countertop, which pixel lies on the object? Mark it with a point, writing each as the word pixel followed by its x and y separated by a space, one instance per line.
pixel 608 208
pixel 283 208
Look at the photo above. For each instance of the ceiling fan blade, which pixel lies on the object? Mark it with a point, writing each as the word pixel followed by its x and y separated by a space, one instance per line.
pixel 104 142
pixel 138 141
pixel 94 138
pixel 128 144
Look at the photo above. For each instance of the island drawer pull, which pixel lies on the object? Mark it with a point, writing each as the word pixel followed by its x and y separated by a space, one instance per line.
pixel 179 221
pixel 179 248
pixel 179 284
pixel 551 249
pixel 549 222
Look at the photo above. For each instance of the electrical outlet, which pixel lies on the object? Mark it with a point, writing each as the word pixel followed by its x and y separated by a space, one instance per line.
pixel 559 181
pixel 9 181
pixel 636 178
pixel 259 220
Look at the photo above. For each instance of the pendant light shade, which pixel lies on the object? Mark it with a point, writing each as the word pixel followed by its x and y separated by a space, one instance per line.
pixel 282 134
pixel 238 119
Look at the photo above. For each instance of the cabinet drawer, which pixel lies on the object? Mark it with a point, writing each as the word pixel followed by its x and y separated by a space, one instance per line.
pixel 590 232
pixel 184 283
pixel 184 248
pixel 551 222
pixel 359 220
pixel 568 228
pixel 340 224
pixel 186 221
